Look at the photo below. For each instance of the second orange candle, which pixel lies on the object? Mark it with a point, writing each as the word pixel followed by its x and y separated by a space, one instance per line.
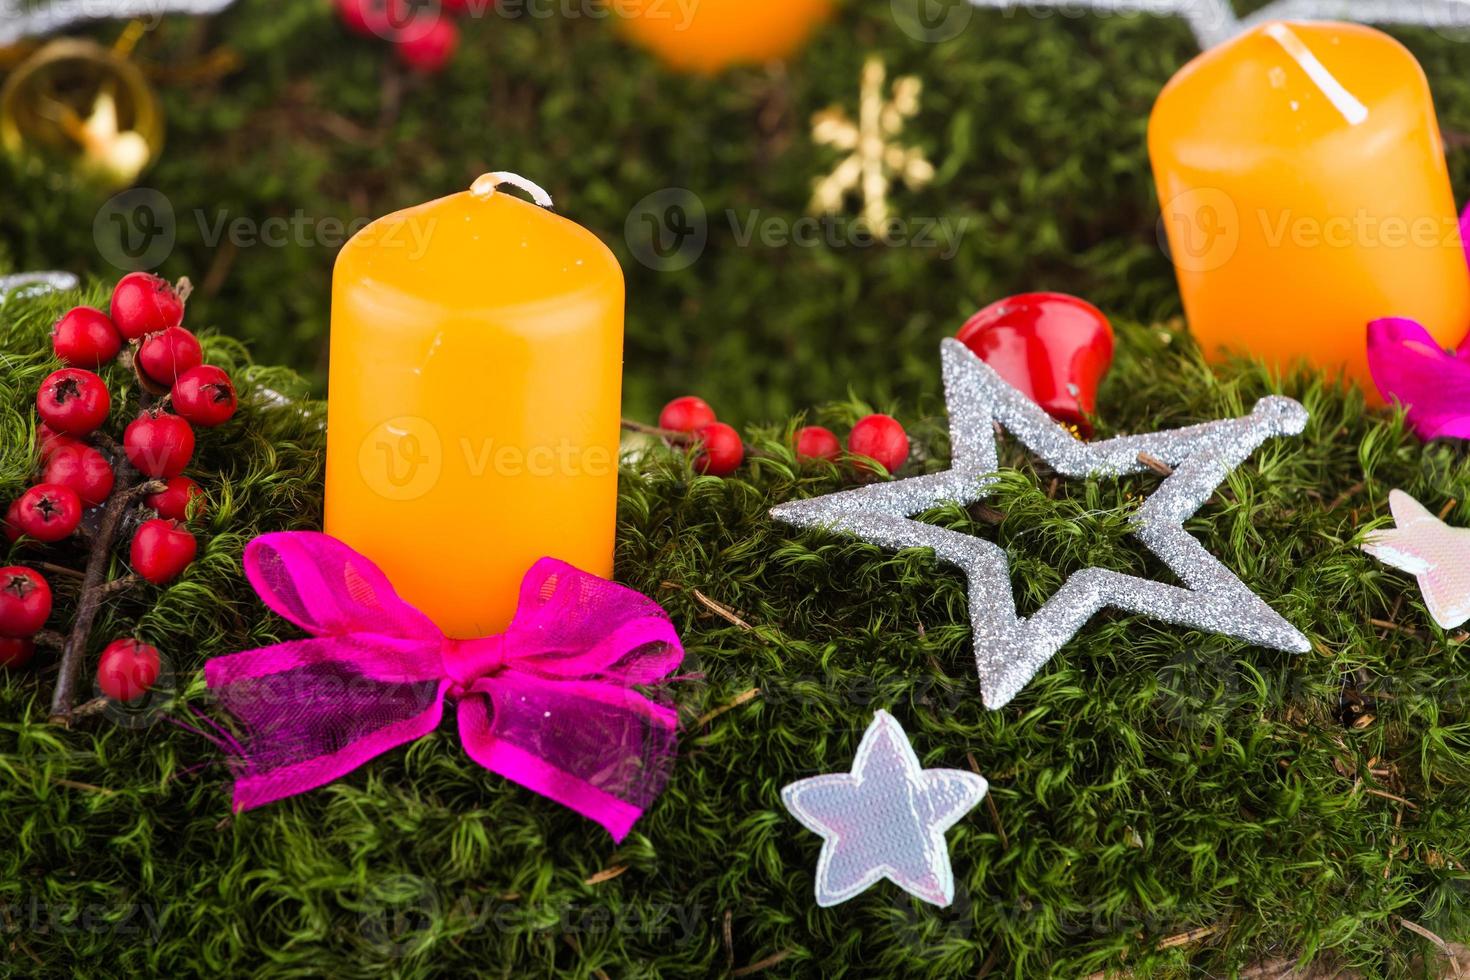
pixel 1304 193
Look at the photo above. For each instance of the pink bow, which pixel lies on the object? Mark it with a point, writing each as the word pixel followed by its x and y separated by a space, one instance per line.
pixel 550 703
pixel 1410 367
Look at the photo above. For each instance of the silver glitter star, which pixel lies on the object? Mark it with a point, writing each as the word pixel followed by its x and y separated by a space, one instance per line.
pixel 1010 650
pixel 1431 550
pixel 885 819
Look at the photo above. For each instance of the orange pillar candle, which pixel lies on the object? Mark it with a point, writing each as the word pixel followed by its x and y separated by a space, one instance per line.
pixel 473 400
pixel 1304 193
pixel 710 35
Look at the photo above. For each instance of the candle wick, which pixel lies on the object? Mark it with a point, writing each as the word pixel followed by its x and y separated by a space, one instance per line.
pixel 486 184
pixel 1342 100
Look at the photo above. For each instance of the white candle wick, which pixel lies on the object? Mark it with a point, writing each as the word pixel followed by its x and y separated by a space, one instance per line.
pixel 485 185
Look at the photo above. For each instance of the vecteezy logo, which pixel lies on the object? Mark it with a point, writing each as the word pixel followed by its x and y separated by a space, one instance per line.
pixel 668 229
pixel 1200 229
pixel 149 706
pixel 402 916
pixel 135 230
pixel 932 21
pixel 401 459
pixel 401 20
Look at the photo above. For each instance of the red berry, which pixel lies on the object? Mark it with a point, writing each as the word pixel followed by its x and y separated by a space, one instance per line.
pixel 880 438
pixel 85 338
pixel 25 602
pixel 73 402
pixel 167 354
pixel 142 303
pixel 173 503
pixel 158 445
pixel 15 653
pixel 720 449
pixel 429 50
pixel 82 468
pixel 816 442
pixel 685 414
pixel 48 440
pixel 205 396
pixel 127 669
pixel 48 512
pixel 12 522
pixel 365 17
pixel 161 550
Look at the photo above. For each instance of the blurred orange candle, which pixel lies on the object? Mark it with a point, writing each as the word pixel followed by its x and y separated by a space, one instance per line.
pixel 473 403
pixel 710 35
pixel 1304 193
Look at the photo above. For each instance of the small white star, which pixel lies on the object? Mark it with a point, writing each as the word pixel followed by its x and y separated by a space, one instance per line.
pixel 1429 549
pixel 885 819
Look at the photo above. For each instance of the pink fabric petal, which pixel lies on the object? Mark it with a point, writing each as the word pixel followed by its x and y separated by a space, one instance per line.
pixel 326 588
pixel 601 750
pixel 572 624
pixel 1465 240
pixel 1410 367
pixel 308 715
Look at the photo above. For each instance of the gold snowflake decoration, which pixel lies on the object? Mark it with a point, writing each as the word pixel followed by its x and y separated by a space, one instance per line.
pixel 875 159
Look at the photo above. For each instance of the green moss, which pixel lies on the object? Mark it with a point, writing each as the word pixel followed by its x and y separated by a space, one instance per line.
pixel 1151 781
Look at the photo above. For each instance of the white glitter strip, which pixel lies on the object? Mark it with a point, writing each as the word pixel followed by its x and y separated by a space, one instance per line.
pixel 20 19
pixel 1214 21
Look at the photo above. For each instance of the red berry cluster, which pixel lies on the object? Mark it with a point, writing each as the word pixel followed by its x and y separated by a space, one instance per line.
pixel 25 605
pixel 424 39
pixel 720 447
pixel 877 437
pixel 81 468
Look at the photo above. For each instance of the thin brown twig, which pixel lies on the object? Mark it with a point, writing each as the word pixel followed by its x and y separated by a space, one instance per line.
pixel 1390 796
pixel 671 435
pixel 1416 928
pixel 720 609
pixel 606 874
pixel 1184 938
pixel 118 585
pixel 763 964
pixel 738 700
pixel 59 570
pixel 728 933
pixel 74 651
pixel 1157 465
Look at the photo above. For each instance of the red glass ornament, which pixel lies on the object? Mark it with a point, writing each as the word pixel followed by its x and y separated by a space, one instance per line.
pixel 1053 347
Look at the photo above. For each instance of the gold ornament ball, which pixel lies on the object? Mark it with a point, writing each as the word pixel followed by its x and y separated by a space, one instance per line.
pixel 81 104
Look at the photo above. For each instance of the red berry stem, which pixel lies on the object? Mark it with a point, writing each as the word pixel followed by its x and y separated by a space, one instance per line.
pixel 57 570
pixel 682 438
pixel 63 699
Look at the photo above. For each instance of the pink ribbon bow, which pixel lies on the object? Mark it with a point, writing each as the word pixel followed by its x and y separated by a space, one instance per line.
pixel 1410 367
pixel 550 703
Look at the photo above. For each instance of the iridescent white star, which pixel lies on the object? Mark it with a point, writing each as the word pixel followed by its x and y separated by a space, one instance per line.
pixel 1431 550
pixel 884 819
